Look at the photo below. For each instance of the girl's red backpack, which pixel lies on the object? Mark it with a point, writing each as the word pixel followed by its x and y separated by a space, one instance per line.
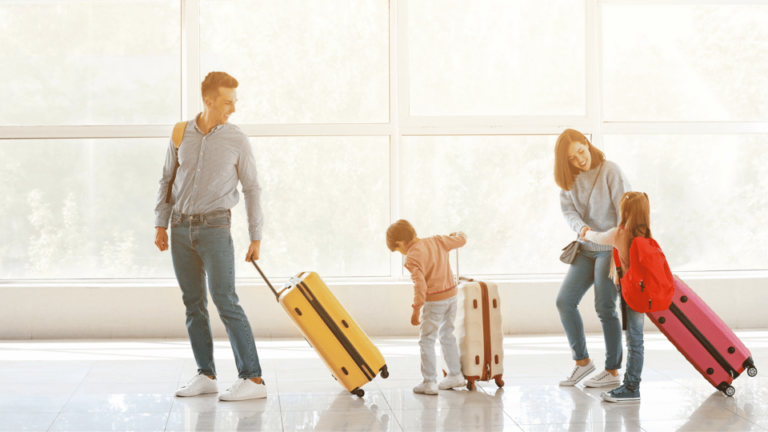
pixel 648 285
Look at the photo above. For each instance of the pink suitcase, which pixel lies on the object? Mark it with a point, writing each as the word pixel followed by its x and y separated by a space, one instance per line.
pixel 704 339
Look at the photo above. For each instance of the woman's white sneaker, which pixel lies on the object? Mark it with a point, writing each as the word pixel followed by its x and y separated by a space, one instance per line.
pixel 603 379
pixel 199 384
pixel 244 389
pixel 579 372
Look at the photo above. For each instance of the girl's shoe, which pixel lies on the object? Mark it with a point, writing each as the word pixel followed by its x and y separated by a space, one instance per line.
pixel 622 394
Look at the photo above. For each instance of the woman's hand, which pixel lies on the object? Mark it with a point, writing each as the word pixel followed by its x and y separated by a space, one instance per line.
pixel 584 232
pixel 415 316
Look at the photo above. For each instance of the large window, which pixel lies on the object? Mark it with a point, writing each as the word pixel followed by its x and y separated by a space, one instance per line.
pixel 497 189
pixel 363 112
pixel 497 57
pixel 707 195
pixel 73 209
pixel 319 61
pixel 325 201
pixel 90 62
pixel 685 62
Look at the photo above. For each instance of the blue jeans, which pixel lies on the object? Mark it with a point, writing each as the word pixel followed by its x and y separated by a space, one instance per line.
pixel 201 245
pixel 437 321
pixel 591 267
pixel 634 334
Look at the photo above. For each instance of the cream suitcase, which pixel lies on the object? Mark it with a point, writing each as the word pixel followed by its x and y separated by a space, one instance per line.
pixel 478 332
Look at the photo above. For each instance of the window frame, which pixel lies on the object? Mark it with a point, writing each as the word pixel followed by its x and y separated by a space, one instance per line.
pixel 401 123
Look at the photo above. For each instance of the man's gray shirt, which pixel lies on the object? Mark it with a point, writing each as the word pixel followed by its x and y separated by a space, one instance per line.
pixel 206 180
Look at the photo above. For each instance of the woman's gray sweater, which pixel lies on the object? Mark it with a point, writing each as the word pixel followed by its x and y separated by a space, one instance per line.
pixel 603 205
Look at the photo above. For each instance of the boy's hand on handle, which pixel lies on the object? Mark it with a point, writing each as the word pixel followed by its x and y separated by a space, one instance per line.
pixel 161 239
pixel 415 316
pixel 253 251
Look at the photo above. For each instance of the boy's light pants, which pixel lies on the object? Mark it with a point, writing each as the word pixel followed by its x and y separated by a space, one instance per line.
pixel 437 321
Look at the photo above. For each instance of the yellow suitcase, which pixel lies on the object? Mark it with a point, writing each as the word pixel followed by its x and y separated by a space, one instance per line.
pixel 344 347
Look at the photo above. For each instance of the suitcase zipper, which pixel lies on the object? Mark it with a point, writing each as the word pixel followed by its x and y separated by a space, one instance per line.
pixel 356 357
pixel 703 340
pixel 486 332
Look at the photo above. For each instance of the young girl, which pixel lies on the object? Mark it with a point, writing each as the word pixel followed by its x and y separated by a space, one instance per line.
pixel 635 212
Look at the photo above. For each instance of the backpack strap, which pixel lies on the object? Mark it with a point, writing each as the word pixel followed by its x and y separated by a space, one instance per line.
pixel 178 133
pixel 177 137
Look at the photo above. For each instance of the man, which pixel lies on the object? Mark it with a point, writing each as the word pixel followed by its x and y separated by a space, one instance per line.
pixel 213 156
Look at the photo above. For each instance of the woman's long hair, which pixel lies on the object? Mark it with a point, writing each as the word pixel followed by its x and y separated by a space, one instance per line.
pixel 565 173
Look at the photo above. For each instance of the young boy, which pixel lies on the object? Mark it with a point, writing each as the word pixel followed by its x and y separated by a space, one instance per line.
pixel 434 289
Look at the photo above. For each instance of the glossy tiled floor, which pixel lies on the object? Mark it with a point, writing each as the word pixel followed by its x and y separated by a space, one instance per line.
pixel 129 385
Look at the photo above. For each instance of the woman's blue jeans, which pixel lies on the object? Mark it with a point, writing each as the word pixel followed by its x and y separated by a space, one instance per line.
pixel 201 245
pixel 591 267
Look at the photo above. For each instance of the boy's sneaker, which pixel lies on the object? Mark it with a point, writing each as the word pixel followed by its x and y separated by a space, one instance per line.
pixel 452 381
pixel 199 384
pixel 603 379
pixel 622 394
pixel 427 388
pixel 244 389
pixel 579 372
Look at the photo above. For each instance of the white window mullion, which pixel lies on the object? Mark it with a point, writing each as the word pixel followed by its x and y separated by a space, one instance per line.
pixel 594 70
pixel 688 128
pixel 396 112
pixel 683 2
pixel 190 58
pixel 84 132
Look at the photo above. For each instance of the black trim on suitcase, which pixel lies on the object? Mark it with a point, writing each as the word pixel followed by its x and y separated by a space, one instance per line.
pixel 323 314
pixel 703 340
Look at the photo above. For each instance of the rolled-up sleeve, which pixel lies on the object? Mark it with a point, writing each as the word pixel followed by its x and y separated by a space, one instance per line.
pixel 162 209
pixel 246 170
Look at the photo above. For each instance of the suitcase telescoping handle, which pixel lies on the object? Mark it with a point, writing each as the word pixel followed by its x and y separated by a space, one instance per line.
pixel 277 296
pixel 459 279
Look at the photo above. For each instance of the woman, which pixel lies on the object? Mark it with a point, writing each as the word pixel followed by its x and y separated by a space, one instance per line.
pixel 592 188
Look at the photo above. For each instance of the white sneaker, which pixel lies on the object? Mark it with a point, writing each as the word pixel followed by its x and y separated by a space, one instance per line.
pixel 579 372
pixel 427 388
pixel 198 385
pixel 603 379
pixel 452 381
pixel 244 389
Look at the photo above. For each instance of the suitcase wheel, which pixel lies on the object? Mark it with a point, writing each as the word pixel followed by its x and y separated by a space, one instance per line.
pixel 730 391
pixel 752 371
pixel 358 392
pixel 445 374
pixel 384 372
pixel 499 382
pixel 471 385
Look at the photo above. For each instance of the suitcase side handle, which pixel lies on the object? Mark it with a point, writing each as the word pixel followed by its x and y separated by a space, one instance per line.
pixel 277 296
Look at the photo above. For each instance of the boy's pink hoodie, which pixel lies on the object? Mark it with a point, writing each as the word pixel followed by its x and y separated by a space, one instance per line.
pixel 427 261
